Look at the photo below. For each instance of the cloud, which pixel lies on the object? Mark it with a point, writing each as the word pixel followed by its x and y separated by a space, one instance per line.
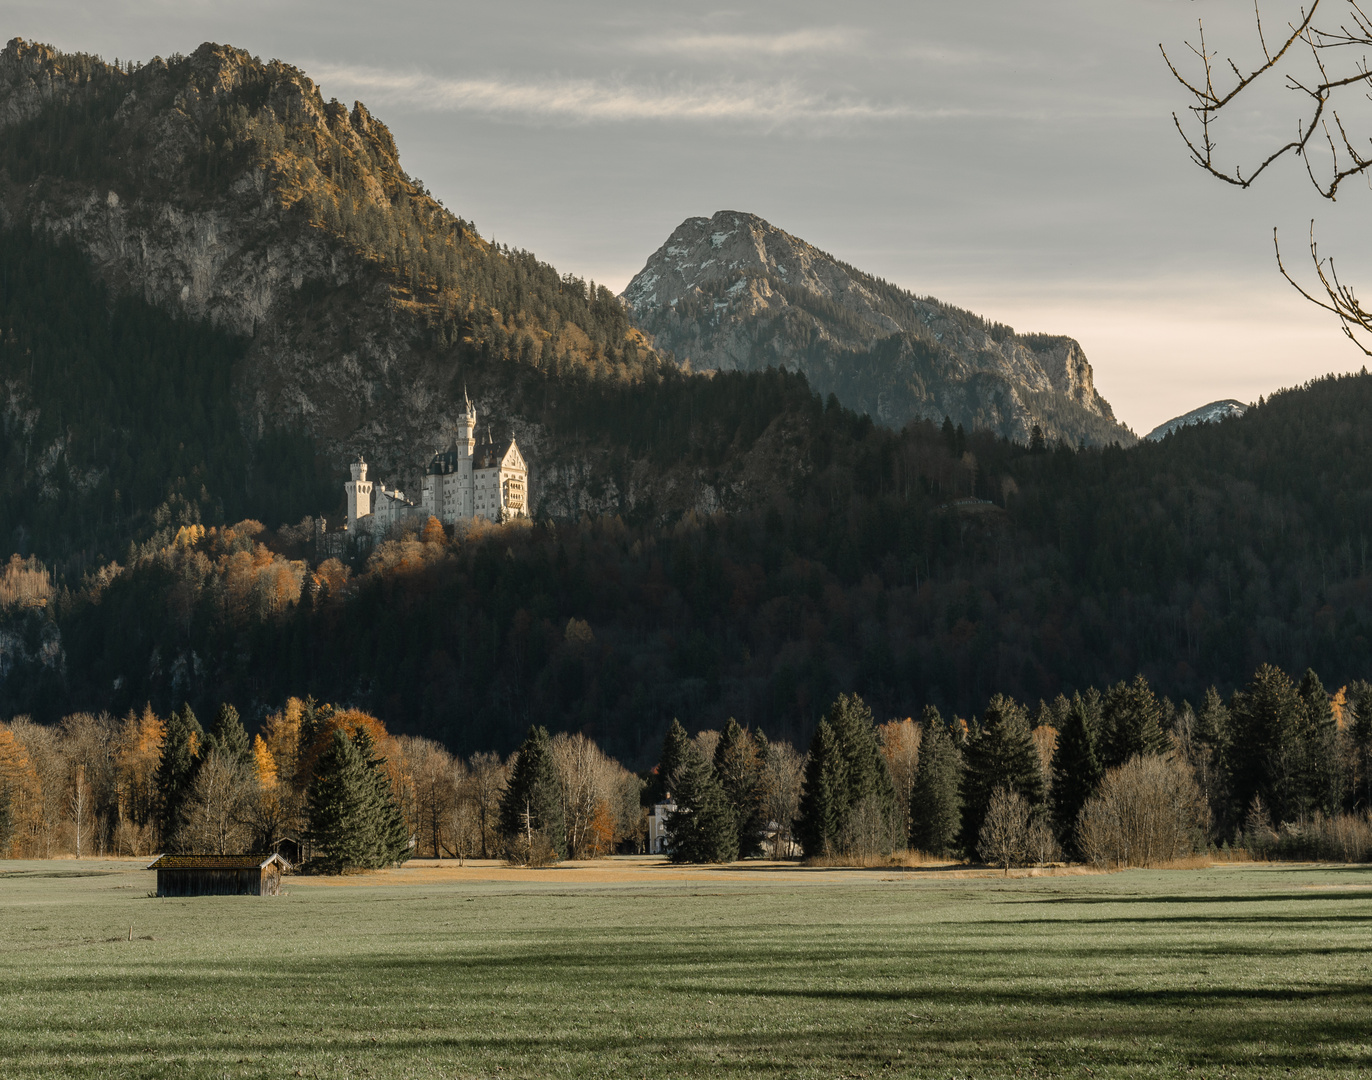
pixel 598 100
pixel 835 39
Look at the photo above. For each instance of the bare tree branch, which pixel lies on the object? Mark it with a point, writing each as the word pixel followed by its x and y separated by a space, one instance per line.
pixel 1320 128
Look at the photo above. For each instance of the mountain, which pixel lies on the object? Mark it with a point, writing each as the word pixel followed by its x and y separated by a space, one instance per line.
pixel 734 293
pixel 283 295
pixel 1206 414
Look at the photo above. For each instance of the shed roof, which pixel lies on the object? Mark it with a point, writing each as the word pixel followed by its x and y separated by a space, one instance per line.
pixel 215 862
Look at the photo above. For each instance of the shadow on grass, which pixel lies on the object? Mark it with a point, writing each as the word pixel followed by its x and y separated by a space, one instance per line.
pixel 1305 896
pixel 974 1024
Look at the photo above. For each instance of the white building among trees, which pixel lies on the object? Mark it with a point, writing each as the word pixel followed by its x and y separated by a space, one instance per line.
pixel 470 479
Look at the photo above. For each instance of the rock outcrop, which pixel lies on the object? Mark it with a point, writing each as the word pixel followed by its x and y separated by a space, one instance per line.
pixel 732 292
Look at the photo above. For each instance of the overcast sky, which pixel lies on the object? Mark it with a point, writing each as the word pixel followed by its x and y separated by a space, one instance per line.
pixel 1016 158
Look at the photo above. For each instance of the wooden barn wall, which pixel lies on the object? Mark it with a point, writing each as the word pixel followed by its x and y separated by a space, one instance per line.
pixel 207 882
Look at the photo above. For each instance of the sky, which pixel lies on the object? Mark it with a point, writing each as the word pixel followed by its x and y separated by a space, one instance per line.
pixel 1017 159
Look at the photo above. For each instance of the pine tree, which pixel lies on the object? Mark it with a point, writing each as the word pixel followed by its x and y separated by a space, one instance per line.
pixel 1360 702
pixel 674 750
pixel 1000 754
pixel 1133 723
pixel 338 801
pixel 738 769
pixel 1265 752
pixel 530 805
pixel 387 837
pixel 227 735
pixel 935 798
pixel 1319 769
pixel 702 828
pixel 355 821
pixel 1212 752
pixel 824 796
pixel 176 771
pixel 847 785
pixel 1076 772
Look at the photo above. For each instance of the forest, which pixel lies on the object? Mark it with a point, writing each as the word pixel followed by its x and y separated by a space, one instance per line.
pixel 927 566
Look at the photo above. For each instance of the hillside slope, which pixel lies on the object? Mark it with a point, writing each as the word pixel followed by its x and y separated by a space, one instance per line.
pixel 915 567
pixel 732 292
pixel 347 306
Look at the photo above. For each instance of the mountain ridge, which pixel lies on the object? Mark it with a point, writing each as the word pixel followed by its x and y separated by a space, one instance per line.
pixel 1214 412
pixel 733 292
pixel 220 188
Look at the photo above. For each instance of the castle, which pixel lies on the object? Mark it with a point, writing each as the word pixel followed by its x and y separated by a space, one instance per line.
pixel 468 480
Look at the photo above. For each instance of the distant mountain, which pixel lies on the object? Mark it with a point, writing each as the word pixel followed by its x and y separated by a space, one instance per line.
pixel 1206 414
pixel 732 292
pixel 219 286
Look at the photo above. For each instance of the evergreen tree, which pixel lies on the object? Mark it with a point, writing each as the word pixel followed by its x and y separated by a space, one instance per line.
pixel 227 735
pixel 1265 753
pixel 949 438
pixel 388 838
pixel 176 771
pixel 702 828
pixel 675 745
pixel 1319 768
pixel 337 799
pixel 824 795
pixel 355 821
pixel 1360 704
pixel 847 784
pixel 1000 754
pixel 1076 772
pixel 935 798
pixel 1211 754
pixel 738 769
pixel 531 804
pixel 1133 723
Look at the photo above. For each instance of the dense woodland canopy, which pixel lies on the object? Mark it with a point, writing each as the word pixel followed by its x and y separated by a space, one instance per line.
pixel 1193 561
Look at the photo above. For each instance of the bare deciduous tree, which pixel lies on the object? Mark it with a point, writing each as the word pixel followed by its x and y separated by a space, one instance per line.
pixel 1147 812
pixel 591 787
pixel 488 778
pixel 1319 56
pixel 1004 832
pixel 219 809
pixel 783 775
pixel 900 741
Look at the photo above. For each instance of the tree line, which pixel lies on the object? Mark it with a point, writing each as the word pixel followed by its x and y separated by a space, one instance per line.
pixel 1120 776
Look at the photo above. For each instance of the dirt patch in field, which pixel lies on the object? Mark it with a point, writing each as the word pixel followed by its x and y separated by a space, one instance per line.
pixel 649 870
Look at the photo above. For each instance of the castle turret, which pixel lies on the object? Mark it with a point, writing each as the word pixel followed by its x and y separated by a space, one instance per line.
pixel 466 430
pixel 359 490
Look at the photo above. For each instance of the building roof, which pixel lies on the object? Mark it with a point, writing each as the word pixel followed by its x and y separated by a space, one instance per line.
pixel 216 862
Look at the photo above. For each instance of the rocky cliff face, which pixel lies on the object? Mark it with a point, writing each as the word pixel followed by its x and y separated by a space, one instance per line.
pixel 219 187
pixel 732 292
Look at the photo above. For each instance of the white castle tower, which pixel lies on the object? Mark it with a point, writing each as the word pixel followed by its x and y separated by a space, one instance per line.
pixel 359 490
pixel 466 430
pixel 471 479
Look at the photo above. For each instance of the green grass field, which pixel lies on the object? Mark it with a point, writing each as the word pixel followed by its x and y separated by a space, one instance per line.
pixel 1245 970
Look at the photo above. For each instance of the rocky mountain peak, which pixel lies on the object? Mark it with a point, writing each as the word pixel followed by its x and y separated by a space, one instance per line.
pixel 733 291
pixel 1206 414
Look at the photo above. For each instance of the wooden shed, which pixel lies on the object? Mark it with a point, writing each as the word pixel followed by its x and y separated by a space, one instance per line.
pixel 219 875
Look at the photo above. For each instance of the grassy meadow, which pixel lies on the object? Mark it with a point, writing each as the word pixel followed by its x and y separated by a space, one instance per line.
pixel 636 969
